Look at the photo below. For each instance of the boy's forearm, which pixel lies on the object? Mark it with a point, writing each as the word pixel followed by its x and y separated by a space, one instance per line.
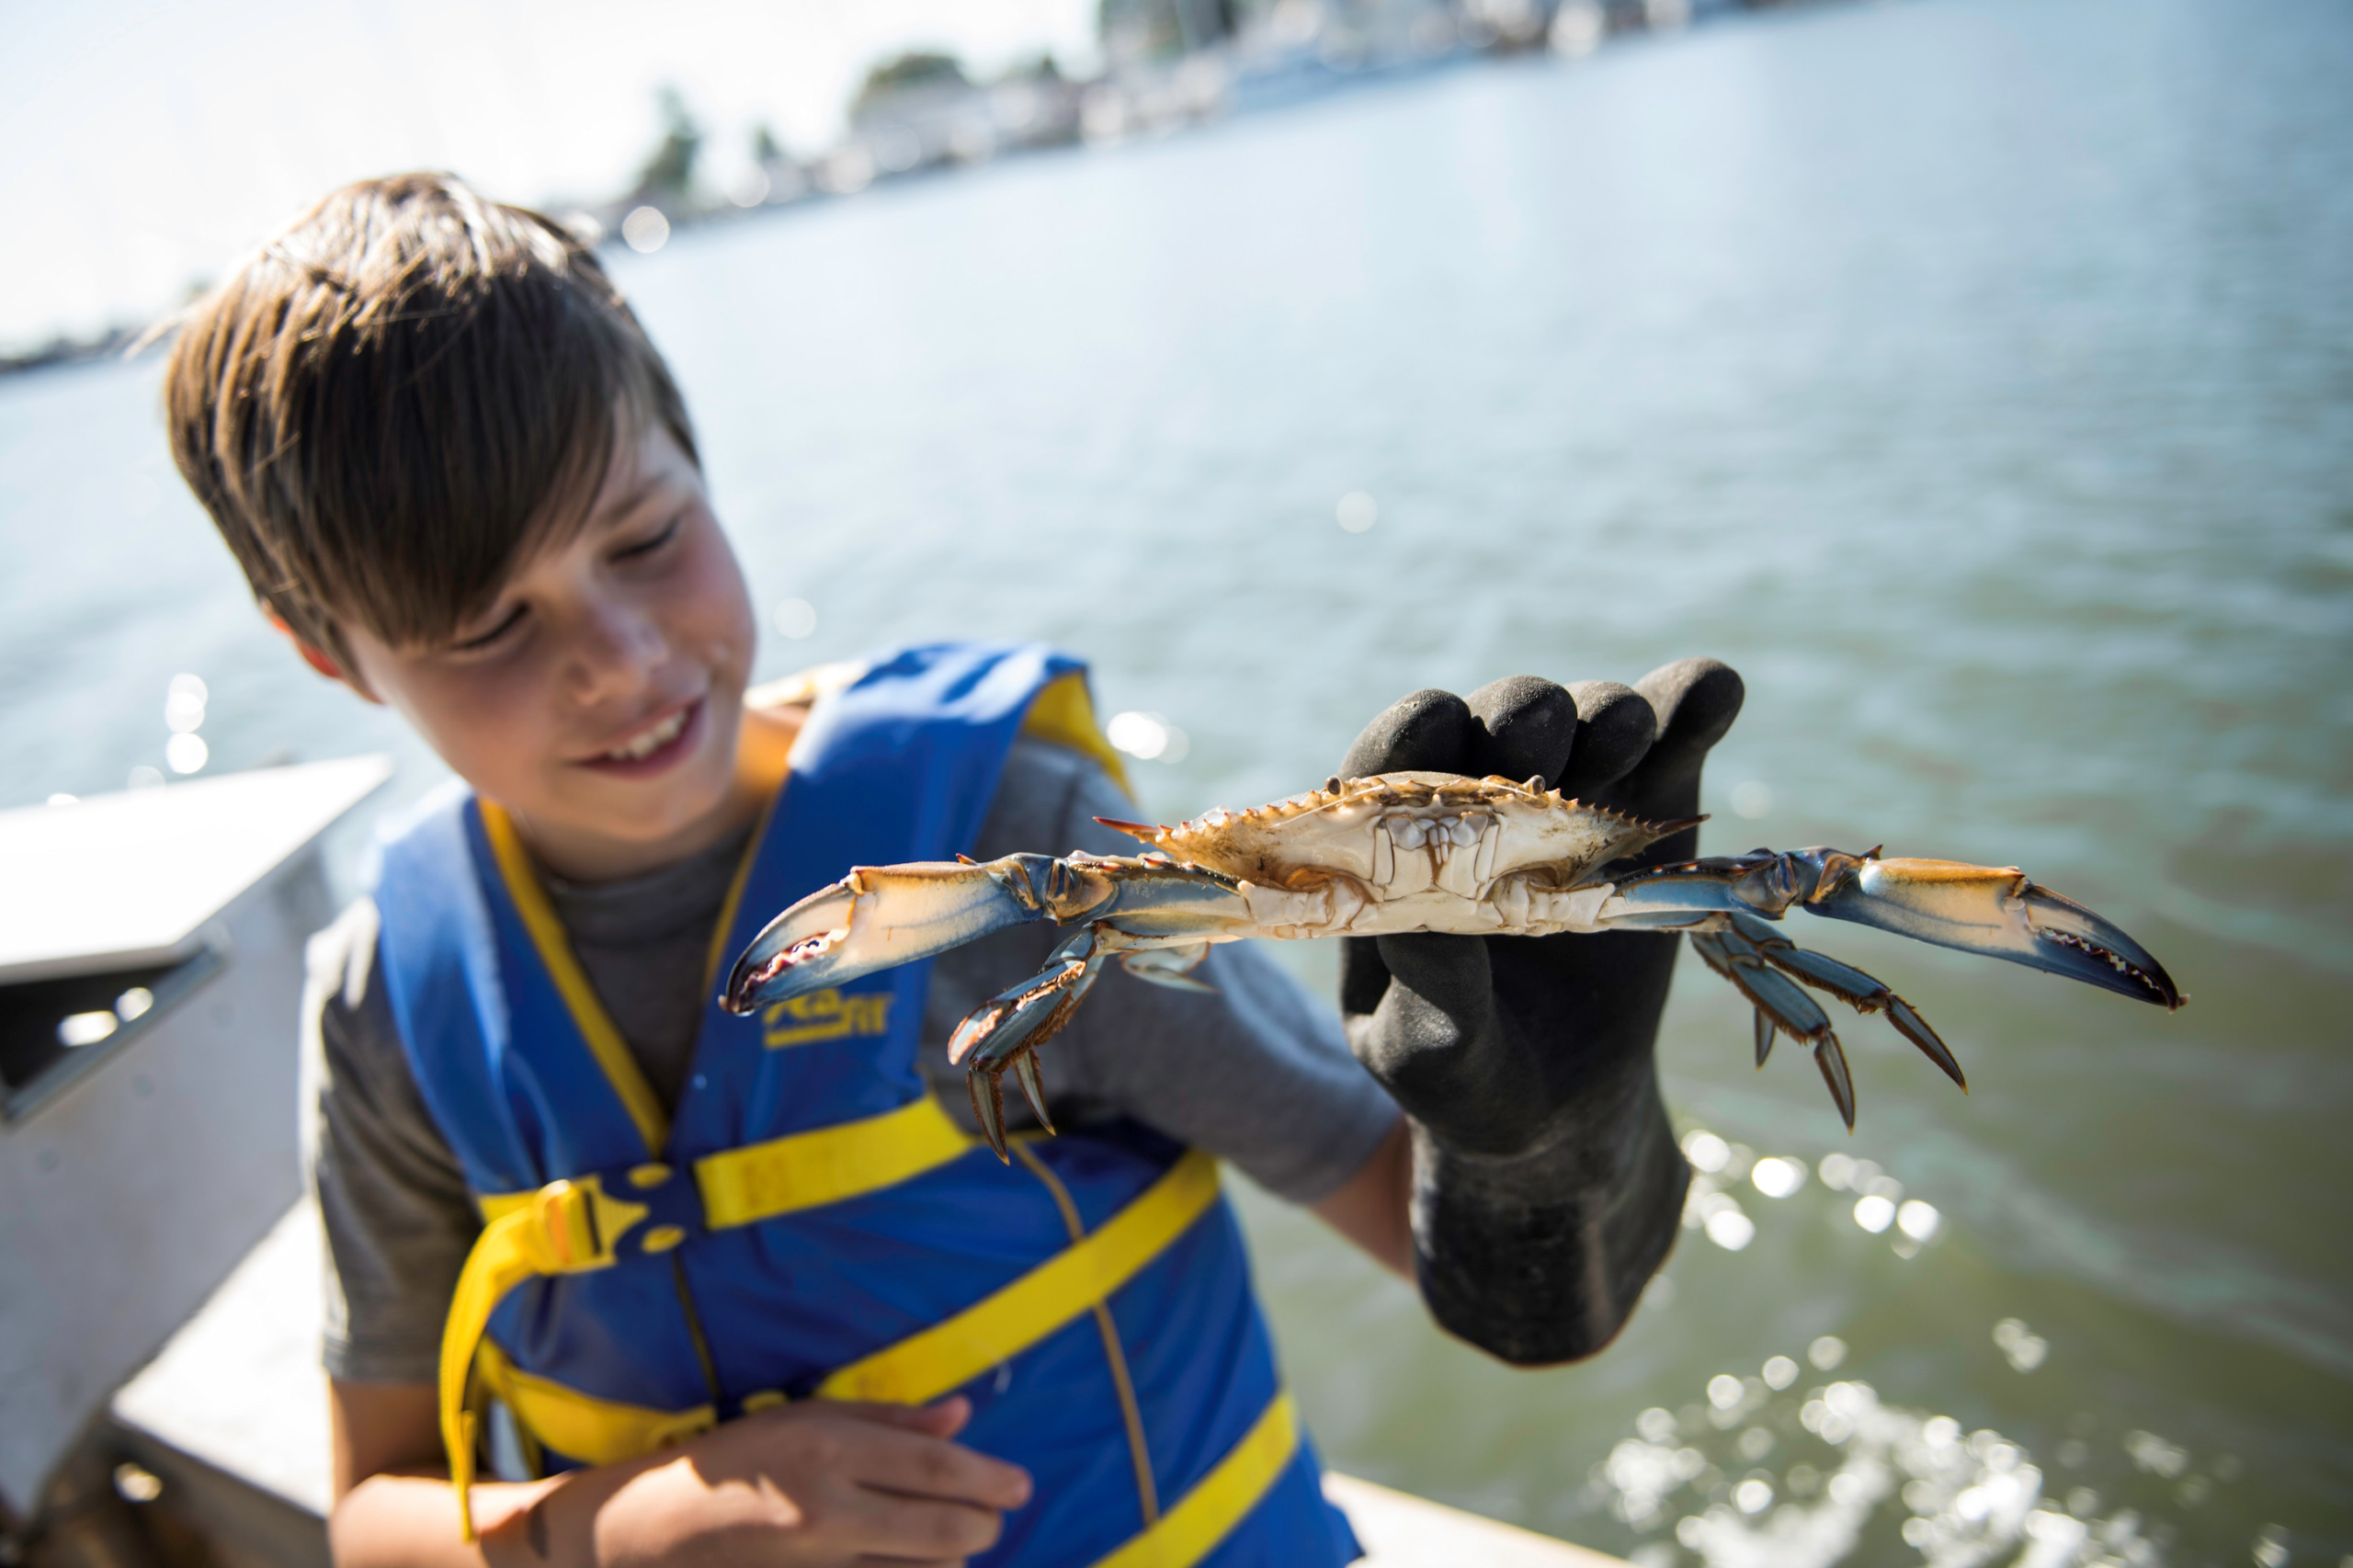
pixel 409 1520
pixel 1374 1207
pixel 611 1514
pixel 393 1501
pixel 623 1513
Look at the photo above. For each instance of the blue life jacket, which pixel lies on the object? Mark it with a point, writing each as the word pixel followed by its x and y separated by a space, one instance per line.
pixel 806 1222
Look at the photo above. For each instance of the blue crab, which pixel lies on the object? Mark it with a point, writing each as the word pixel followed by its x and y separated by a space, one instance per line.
pixel 1404 852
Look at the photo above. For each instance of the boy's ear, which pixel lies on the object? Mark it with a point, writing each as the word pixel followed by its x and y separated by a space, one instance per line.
pixel 319 658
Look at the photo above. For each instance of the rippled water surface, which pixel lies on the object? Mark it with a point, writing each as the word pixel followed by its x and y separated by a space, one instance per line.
pixel 1977 375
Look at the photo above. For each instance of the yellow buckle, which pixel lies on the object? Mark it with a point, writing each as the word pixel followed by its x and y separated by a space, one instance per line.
pixel 581 1223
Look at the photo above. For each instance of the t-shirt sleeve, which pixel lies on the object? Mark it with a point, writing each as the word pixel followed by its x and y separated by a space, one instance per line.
pixel 392 1197
pixel 1257 1073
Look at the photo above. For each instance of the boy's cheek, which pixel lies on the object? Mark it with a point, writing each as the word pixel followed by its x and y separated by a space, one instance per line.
pixel 723 604
pixel 489 724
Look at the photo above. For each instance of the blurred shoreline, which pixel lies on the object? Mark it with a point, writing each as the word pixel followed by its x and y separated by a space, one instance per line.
pixel 1169 67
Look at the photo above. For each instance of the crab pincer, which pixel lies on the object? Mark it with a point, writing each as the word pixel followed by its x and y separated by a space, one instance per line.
pixel 1996 911
pixel 881 916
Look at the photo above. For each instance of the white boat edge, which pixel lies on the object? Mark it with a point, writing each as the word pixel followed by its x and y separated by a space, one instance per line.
pixel 1398 1530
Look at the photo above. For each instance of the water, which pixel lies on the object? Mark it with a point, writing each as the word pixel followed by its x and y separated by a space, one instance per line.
pixel 1977 375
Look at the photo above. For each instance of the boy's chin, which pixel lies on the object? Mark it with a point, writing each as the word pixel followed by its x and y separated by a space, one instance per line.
pixel 657 811
pixel 658 822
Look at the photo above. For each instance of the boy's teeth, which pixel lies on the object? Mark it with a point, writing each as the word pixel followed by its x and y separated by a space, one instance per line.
pixel 652 740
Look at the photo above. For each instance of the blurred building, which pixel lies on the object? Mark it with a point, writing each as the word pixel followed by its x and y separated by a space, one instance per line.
pixel 921 109
pixel 1134 30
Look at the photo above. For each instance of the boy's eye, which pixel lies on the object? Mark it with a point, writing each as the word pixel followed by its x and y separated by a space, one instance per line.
pixel 476 645
pixel 652 542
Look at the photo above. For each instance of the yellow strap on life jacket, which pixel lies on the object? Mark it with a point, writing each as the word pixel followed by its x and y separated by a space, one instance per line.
pixel 1000 1326
pixel 566 1227
pixel 1219 1500
pixel 808 1170
pixel 595 1431
pixel 741 1187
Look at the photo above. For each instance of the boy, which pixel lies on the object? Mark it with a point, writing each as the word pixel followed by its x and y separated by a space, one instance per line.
pixel 462 482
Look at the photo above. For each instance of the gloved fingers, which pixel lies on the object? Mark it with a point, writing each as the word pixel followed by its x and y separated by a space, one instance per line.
pixel 1697 700
pixel 1526 727
pixel 1423 730
pixel 1615 729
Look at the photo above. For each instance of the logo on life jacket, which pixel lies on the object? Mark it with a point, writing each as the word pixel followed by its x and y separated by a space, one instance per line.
pixel 825 1014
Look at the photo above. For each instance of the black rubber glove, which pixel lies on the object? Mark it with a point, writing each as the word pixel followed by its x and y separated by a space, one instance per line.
pixel 1546 1185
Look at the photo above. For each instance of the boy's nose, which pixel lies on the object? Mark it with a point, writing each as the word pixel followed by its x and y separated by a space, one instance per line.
pixel 615 651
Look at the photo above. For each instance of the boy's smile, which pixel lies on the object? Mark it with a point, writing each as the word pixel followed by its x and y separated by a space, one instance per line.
pixel 653 746
pixel 599 697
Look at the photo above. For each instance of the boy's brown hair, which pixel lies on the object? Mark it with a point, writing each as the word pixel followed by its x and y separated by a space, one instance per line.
pixel 400 394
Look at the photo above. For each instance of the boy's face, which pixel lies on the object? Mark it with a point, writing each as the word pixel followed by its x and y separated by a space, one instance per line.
pixel 600 697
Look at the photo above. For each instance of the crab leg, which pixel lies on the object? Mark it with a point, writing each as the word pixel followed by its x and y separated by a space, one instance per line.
pixel 1866 994
pixel 1764 966
pixel 877 917
pixel 1780 1005
pixel 1006 1030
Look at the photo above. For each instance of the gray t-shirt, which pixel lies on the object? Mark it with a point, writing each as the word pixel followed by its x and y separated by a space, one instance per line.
pixel 1257 1073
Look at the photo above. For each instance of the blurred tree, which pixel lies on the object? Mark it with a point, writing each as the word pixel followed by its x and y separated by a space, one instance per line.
pixel 766 148
pixel 671 170
pixel 1041 68
pixel 917 68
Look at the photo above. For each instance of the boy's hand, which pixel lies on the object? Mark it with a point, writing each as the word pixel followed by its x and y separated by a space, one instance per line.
pixel 819 1483
pixel 1546 1180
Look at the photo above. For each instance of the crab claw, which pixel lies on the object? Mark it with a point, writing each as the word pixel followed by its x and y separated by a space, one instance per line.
pixel 1998 913
pixel 877 917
